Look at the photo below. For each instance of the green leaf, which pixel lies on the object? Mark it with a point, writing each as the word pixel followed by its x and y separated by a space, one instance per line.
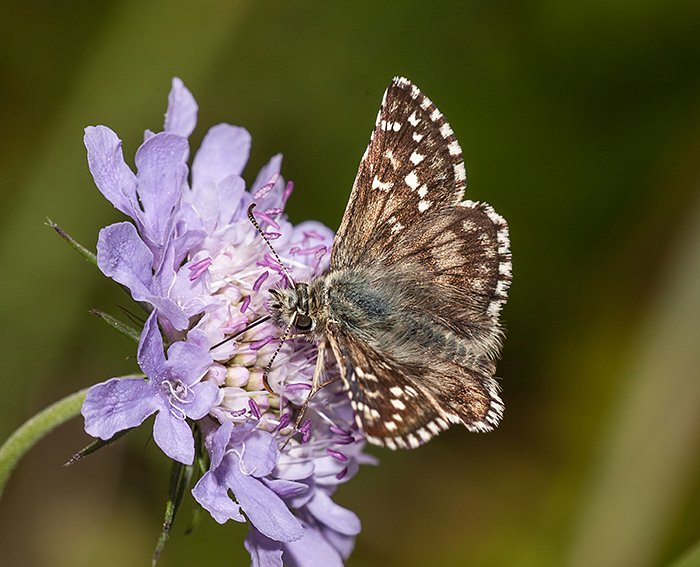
pixel 180 478
pixel 94 446
pixel 123 328
pixel 84 252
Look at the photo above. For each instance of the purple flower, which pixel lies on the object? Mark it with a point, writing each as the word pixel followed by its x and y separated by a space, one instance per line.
pixel 173 391
pixel 191 256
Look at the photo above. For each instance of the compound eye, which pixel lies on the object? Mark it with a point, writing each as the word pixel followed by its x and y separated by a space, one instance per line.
pixel 303 322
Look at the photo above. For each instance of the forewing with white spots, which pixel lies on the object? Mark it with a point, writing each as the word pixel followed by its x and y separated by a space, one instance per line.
pixel 412 167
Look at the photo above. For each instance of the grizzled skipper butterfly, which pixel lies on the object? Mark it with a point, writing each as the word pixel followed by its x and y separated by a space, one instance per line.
pixel 410 305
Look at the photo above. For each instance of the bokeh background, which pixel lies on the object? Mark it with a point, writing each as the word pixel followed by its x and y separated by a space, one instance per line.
pixel 580 123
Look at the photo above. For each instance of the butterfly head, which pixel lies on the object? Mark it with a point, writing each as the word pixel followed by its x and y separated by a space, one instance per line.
pixel 293 308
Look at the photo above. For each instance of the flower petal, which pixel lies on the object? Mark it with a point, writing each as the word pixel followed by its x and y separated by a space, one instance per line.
pixel 150 354
pixel 332 515
pixel 187 362
pixel 266 511
pixel 212 493
pixel 124 257
pixel 217 443
pixel 206 395
pixel 118 404
pixel 272 197
pixel 113 177
pixel 181 117
pixel 310 551
pixel 174 436
pixel 162 171
pixel 259 454
pixel 224 152
pixel 264 552
pixel 286 488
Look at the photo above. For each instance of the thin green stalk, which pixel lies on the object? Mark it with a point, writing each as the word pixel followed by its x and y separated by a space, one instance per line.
pixel 690 558
pixel 37 427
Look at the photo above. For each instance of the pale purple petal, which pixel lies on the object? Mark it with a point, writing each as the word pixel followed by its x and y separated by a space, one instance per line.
pixel 113 177
pixel 224 152
pixel 260 454
pixel 264 552
pixel 150 354
pixel 123 256
pixel 269 172
pixel 181 117
pixel 212 493
pixel 311 550
pixel 287 488
pixel 293 469
pixel 187 362
pixel 118 404
pixel 217 442
pixel 332 515
pixel 174 436
pixel 344 544
pixel 266 511
pixel 162 171
pixel 205 396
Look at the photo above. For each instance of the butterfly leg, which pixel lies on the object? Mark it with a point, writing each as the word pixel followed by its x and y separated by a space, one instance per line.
pixel 315 387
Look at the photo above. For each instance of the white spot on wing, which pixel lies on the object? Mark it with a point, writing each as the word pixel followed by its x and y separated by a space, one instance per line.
pixel 381 185
pixel 424 205
pixel 446 131
pixel 411 180
pixel 416 158
pixel 413 120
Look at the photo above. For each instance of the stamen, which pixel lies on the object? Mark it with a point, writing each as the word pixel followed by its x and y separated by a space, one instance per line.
pixel 312 234
pixel 297 386
pixel 257 345
pixel 245 304
pixel 284 421
pixel 287 192
pixel 339 430
pixel 272 235
pixel 261 279
pixel 307 251
pixel 265 189
pixel 342 474
pixel 344 440
pixel 305 431
pixel 254 408
pixel 337 455
pixel 198 268
pixel 267 215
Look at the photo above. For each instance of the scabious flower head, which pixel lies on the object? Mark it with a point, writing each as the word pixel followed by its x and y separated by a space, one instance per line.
pixel 192 258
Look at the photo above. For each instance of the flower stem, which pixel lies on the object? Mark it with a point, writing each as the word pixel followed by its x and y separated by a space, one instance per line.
pixel 37 427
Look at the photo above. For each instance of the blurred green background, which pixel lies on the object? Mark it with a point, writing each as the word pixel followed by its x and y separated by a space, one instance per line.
pixel 580 123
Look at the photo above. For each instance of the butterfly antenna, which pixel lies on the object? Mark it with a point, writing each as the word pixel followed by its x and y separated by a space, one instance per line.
pixel 252 219
pixel 239 333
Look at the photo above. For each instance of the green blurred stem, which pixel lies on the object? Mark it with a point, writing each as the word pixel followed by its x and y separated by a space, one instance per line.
pixel 689 559
pixel 37 427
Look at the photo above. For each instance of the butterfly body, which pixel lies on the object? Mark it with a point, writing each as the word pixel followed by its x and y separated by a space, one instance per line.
pixel 410 304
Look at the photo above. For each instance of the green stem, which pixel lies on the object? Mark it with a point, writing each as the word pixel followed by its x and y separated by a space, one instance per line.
pixel 37 427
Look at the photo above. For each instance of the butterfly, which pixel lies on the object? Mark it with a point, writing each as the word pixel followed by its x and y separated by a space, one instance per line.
pixel 410 304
